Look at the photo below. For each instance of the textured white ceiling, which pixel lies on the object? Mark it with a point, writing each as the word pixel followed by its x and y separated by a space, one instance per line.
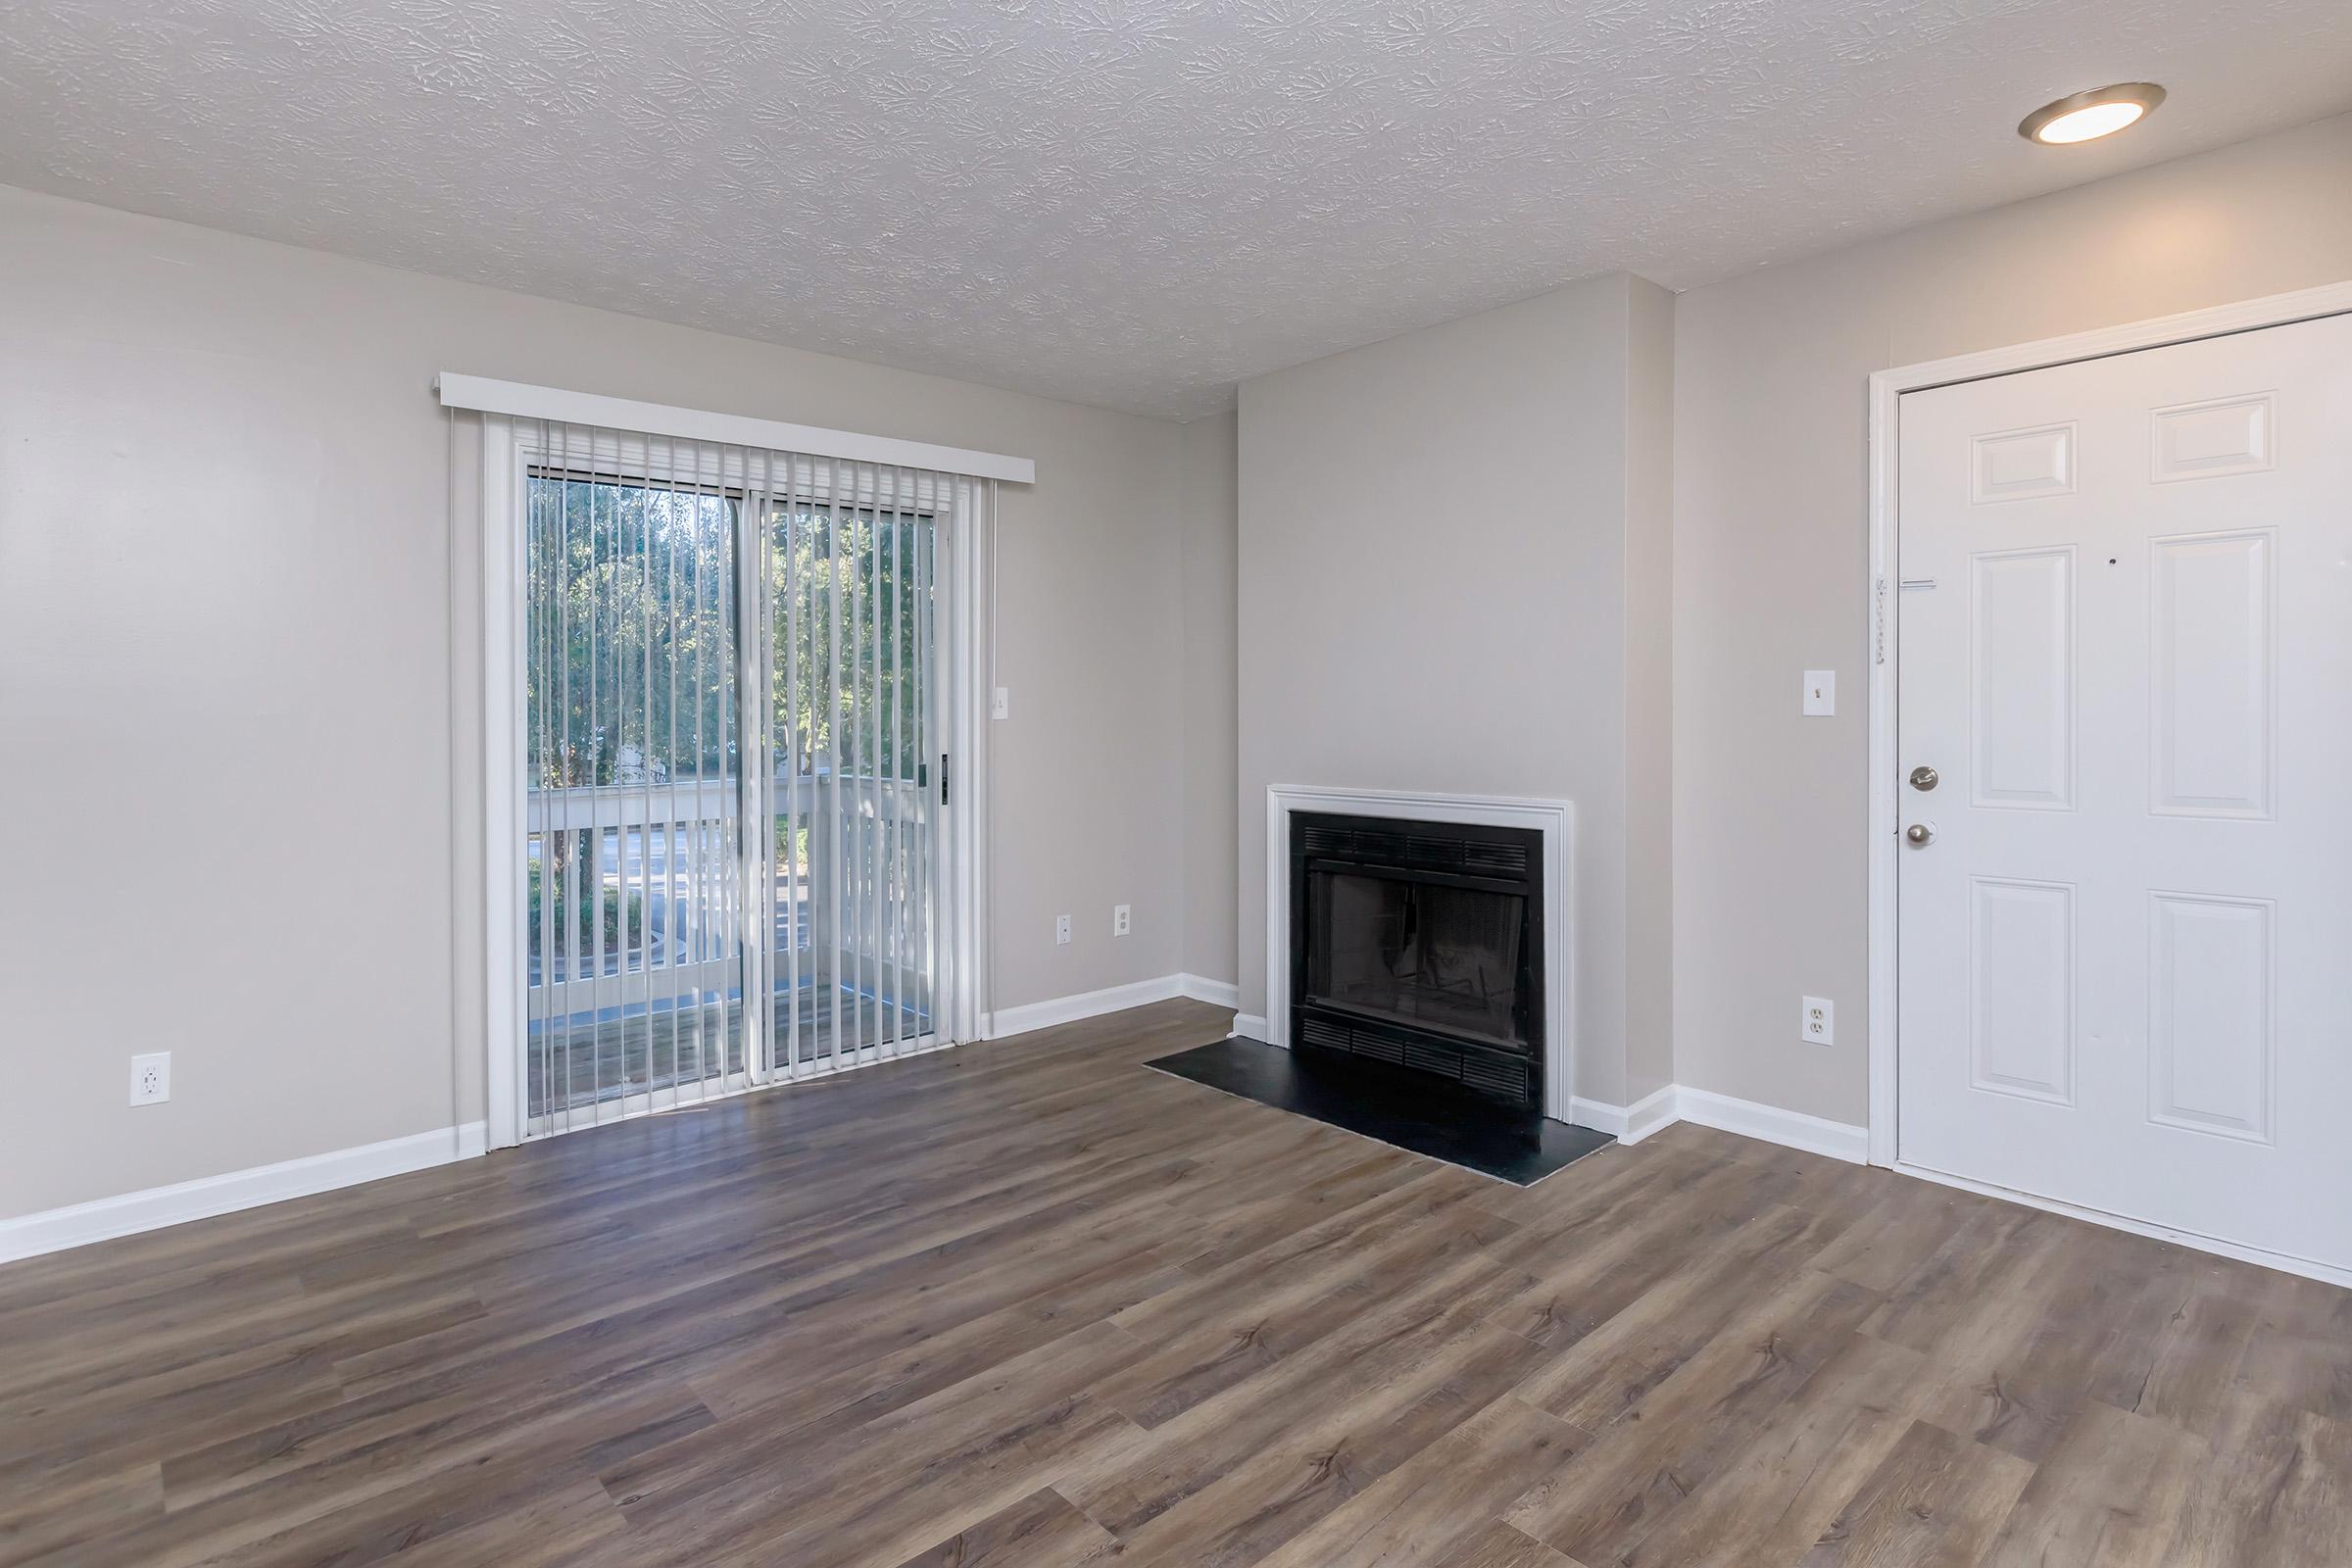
pixel 1132 204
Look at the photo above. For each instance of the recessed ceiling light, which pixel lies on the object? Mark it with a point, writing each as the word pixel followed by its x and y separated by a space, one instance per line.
pixel 2089 116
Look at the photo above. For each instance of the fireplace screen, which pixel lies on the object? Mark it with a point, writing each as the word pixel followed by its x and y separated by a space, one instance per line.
pixel 1424 953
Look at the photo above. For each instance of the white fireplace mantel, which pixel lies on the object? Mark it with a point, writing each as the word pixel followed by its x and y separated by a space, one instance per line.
pixel 1555 819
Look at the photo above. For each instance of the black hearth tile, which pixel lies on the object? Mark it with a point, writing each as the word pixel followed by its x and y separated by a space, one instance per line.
pixel 1412 1111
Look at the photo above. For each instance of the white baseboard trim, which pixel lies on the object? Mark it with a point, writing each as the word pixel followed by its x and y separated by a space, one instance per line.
pixel 1020 1021
pixel 1650 1113
pixel 1251 1026
pixel 128 1213
pixel 1599 1116
pixel 1627 1124
pixel 1663 1107
pixel 1216 993
pixel 1054 1011
pixel 1750 1119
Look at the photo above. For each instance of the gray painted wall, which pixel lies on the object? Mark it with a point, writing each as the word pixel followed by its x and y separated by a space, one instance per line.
pixel 1435 578
pixel 227 690
pixel 225 619
pixel 1208 492
pixel 1771 559
pixel 1649 692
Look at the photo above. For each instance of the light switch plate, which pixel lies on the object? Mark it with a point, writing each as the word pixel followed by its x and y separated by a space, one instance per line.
pixel 1821 693
pixel 999 705
pixel 1819 1026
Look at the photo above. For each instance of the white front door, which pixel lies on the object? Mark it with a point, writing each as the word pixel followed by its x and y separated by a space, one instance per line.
pixel 2126 940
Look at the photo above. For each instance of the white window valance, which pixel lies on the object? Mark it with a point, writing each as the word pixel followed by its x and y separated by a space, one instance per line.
pixel 518 400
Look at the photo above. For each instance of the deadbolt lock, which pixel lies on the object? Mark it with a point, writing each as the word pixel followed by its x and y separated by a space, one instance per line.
pixel 1924 777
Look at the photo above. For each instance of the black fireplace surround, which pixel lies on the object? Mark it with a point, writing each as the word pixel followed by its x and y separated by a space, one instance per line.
pixel 1420 945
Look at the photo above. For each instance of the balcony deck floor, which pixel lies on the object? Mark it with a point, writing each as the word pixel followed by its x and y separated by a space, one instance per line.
pixel 635 1051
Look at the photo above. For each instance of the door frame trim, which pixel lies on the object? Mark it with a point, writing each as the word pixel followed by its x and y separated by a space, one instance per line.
pixel 1884 608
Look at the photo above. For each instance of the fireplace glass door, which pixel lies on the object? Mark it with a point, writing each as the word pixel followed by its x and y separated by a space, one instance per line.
pixel 1420 951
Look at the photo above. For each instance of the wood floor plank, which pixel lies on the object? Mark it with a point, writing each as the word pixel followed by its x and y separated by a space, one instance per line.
pixel 1613 1368
pixel 1032 1302
pixel 1935 1501
pixel 1908 1224
pixel 2302 1346
pixel 359 1505
pixel 1996 1249
pixel 1772 1502
pixel 764 1463
pixel 2193 1377
pixel 1498 1545
pixel 1281 1444
pixel 1040 1531
pixel 68 1515
pixel 2277 1487
pixel 1590 1267
pixel 1931 1503
pixel 1441 1498
pixel 2012 1372
pixel 753 1383
pixel 547 1528
pixel 1695 1423
pixel 1281 1312
pixel 2114 1490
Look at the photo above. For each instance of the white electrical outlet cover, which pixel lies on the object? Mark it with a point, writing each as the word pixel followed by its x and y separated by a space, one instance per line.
pixel 1818 1023
pixel 1061 929
pixel 1118 920
pixel 154 1067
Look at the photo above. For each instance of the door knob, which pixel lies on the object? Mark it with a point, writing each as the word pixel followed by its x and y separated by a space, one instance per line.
pixel 1924 777
pixel 1919 834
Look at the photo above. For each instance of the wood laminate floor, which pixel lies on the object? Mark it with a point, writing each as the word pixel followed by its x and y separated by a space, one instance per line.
pixel 1030 1306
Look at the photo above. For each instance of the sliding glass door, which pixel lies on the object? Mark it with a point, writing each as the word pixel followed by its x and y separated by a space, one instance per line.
pixel 735 774
pixel 852 645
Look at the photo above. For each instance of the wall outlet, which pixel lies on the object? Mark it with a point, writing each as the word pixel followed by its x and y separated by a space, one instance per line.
pixel 1118 920
pixel 1062 930
pixel 1821 693
pixel 1820 1023
pixel 151 1078
pixel 1000 705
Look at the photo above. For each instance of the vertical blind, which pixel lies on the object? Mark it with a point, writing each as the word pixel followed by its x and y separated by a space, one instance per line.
pixel 734 767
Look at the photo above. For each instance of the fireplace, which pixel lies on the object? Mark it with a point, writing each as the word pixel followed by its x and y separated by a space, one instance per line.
pixel 1420 943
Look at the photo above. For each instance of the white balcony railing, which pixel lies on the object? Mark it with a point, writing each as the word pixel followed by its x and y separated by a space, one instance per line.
pixel 846 909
